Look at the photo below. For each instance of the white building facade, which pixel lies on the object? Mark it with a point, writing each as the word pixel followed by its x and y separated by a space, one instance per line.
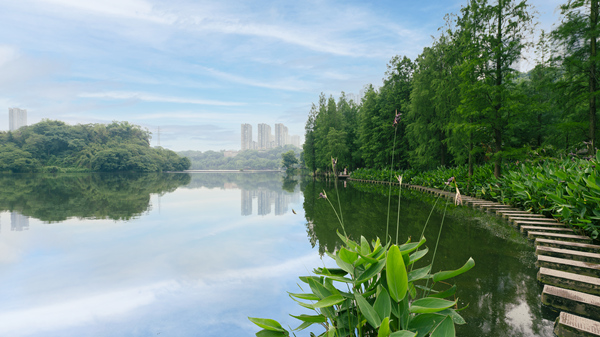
pixel 16 118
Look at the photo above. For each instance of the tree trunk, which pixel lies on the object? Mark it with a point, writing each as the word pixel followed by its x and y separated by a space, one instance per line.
pixel 593 80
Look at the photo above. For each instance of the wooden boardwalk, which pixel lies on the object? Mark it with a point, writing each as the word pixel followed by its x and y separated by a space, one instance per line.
pixel 569 263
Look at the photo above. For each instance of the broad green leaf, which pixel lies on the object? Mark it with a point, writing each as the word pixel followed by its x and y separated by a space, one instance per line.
pixel 270 333
pixel 304 325
pixel 419 274
pixel 424 323
pixel 311 318
pixel 410 247
pixel 267 324
pixel 445 293
pixel 347 256
pixel 364 246
pixel 416 256
pixel 310 297
pixel 444 329
pixel 368 311
pixel 397 278
pixel 403 333
pixel 430 305
pixel 383 303
pixel 329 301
pixel 384 328
pixel 372 271
pixel 331 331
pixel 458 319
pixel 443 275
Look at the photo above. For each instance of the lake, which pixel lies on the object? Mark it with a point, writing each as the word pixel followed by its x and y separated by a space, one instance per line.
pixel 195 254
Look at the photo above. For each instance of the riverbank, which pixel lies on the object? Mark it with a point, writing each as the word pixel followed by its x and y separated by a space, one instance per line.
pixel 565 189
pixel 569 264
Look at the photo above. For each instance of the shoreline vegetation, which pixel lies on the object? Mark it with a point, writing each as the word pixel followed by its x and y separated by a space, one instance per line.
pixel 565 189
pixel 55 147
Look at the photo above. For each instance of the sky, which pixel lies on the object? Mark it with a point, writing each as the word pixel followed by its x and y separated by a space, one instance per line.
pixel 199 69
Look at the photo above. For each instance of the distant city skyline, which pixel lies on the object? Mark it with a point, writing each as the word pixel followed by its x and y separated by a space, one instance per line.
pixel 17 118
pixel 265 140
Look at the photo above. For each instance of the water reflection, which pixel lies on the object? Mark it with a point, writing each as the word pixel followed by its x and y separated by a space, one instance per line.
pixel 18 222
pixel 202 264
pixel 501 291
pixel 270 194
pixel 54 198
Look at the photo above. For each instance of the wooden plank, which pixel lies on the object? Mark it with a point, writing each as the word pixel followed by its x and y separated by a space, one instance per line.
pixel 555 229
pixel 571 266
pixel 572 301
pixel 563 279
pixel 518 223
pixel 529 218
pixel 569 325
pixel 584 247
pixel 568 254
pixel 558 236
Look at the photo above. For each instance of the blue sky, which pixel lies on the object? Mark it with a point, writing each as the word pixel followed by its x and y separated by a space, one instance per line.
pixel 198 69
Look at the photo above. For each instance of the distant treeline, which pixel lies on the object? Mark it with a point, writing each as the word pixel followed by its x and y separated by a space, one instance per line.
pixel 463 101
pixel 244 160
pixel 53 146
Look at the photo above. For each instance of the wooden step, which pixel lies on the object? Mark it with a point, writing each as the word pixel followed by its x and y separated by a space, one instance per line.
pixel 569 325
pixel 555 229
pixel 571 301
pixel 538 224
pixel 558 236
pixel 584 247
pixel 582 283
pixel 568 265
pixel 533 219
pixel 507 214
pixel 568 254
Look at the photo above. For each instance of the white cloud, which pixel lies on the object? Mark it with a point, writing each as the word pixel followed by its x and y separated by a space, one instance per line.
pixel 129 9
pixel 74 312
pixel 288 84
pixel 126 95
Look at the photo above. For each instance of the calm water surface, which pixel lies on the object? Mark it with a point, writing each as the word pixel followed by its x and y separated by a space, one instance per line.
pixel 195 254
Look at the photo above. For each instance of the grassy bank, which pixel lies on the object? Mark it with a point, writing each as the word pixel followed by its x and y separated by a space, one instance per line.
pixel 567 189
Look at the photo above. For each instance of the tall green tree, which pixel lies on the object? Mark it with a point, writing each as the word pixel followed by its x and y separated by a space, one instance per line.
pixel 577 37
pixel 496 35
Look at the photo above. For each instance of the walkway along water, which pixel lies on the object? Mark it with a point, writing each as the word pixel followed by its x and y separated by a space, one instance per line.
pixel 569 263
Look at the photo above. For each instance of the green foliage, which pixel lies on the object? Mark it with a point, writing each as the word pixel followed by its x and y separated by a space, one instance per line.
pixel 288 159
pixel 53 146
pixel 245 160
pixel 567 189
pixel 378 300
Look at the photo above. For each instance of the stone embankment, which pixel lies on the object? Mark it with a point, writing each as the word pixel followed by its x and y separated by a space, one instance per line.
pixel 569 263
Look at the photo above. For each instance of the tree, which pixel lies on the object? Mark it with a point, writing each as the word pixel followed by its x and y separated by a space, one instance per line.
pixel 289 159
pixel 577 37
pixel 495 35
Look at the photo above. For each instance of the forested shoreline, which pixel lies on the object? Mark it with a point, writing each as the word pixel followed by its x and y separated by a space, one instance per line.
pixel 463 101
pixel 243 160
pixel 54 146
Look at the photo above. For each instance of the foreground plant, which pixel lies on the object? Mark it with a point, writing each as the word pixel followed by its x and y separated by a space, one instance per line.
pixel 382 297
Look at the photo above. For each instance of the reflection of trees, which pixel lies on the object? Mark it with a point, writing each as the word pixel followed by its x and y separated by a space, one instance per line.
pixel 502 291
pixel 243 180
pixel 289 184
pixel 97 196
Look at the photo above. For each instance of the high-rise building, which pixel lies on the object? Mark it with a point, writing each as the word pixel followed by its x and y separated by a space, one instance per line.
pixel 264 137
pixel 16 118
pixel 296 140
pixel 246 137
pixel 18 222
pixel 281 135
